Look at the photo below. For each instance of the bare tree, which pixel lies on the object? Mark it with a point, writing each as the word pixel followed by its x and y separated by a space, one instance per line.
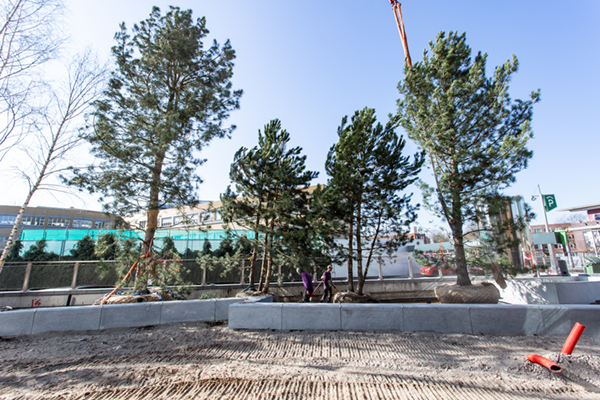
pixel 571 217
pixel 52 132
pixel 28 39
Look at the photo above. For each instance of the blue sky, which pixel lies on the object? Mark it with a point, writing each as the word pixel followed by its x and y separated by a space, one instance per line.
pixel 311 62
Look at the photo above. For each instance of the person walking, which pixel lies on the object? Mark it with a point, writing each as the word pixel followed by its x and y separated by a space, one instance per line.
pixel 327 286
pixel 308 285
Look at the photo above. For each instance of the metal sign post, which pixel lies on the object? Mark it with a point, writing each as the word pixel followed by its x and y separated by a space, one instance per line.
pixel 550 248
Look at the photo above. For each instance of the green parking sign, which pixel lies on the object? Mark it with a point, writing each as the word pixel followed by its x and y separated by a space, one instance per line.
pixel 549 202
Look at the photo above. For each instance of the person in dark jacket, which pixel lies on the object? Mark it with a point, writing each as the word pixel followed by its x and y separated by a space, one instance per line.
pixel 308 285
pixel 327 286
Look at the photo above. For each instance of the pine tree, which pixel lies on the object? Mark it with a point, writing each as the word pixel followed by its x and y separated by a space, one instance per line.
pixel 15 251
pixel 167 98
pixel 270 180
pixel 206 248
pixel 368 177
pixel 169 250
pixel 475 137
pixel 106 247
pixel 84 249
pixel 37 252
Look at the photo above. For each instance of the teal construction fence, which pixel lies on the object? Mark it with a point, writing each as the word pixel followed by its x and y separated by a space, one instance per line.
pixel 61 241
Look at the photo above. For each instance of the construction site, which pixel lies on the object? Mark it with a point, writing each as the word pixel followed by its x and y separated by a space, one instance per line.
pixel 403 338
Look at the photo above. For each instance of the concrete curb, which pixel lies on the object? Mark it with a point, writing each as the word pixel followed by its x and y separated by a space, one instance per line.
pixel 84 318
pixel 441 318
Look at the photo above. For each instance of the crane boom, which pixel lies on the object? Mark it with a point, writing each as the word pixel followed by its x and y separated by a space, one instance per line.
pixel 401 30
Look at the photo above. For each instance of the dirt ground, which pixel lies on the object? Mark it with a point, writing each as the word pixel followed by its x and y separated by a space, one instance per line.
pixel 199 361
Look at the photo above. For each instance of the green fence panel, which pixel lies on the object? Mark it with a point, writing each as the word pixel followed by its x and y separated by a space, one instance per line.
pixel 77 234
pixel 50 275
pixel 12 277
pixel 56 234
pixel 54 247
pixel 91 275
pixel 32 234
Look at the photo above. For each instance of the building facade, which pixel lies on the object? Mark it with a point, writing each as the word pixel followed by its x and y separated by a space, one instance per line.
pixel 48 218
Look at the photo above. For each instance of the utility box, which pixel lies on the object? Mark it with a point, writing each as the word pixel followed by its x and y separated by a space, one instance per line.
pixel 592 265
pixel 562 268
pixel 592 269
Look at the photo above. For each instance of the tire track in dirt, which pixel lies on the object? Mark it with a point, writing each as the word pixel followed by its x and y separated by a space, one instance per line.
pixel 181 362
pixel 272 389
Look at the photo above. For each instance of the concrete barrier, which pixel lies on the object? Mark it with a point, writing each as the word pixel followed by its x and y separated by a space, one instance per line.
pixel 60 319
pixel 372 317
pixel 16 323
pixel 559 320
pixel 441 318
pixel 262 313
pixel 83 318
pixel 577 292
pixel 255 316
pixel 303 316
pixel 506 319
pixel 444 318
pixel 187 311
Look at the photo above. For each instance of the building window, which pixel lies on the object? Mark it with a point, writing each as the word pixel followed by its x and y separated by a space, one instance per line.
pixel 32 220
pixel 142 224
pixel 192 219
pixel 168 221
pixel 7 219
pixel 538 230
pixel 99 224
pixel 571 237
pixel 82 224
pixel 572 245
pixel 178 220
pixel 539 247
pixel 217 215
pixel 58 221
pixel 558 246
pixel 206 217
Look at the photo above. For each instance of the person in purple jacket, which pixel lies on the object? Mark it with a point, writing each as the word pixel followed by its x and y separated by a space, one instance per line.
pixel 308 285
pixel 327 286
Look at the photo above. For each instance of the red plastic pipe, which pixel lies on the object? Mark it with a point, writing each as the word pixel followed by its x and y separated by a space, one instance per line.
pixel 543 361
pixel 573 338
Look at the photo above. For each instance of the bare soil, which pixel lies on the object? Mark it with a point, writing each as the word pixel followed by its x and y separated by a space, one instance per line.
pixel 201 361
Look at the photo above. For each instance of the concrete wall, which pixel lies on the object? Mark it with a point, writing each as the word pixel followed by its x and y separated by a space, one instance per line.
pixel 569 290
pixel 442 318
pixel 56 319
pixel 547 290
pixel 289 291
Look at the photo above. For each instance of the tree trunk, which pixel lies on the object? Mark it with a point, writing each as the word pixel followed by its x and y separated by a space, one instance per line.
pixel 253 264
pixel 270 259
pixel 370 257
pixel 359 270
pixel 141 276
pixel 263 268
pixel 462 274
pixel 350 266
pixel 15 228
pixel 32 190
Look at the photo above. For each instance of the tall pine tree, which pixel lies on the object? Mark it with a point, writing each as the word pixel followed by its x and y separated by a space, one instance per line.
pixel 368 175
pixel 475 137
pixel 167 98
pixel 270 195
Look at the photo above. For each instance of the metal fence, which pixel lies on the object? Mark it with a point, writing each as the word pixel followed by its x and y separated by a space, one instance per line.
pixel 24 276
